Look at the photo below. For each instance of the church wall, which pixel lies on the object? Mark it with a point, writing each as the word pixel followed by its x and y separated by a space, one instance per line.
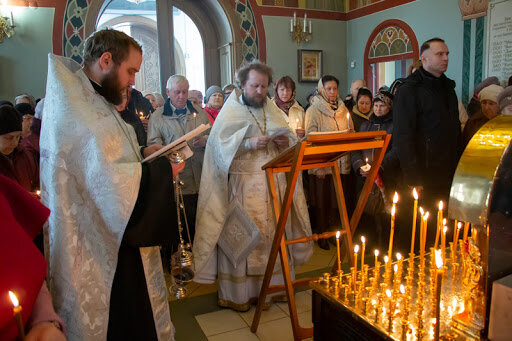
pixel 328 36
pixel 427 18
pixel 24 57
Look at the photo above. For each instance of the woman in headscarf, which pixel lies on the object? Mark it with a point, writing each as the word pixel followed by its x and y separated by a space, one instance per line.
pixel 363 108
pixel 214 99
pixel 327 113
pixel 284 98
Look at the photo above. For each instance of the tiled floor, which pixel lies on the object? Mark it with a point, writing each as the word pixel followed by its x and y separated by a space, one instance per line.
pixel 198 317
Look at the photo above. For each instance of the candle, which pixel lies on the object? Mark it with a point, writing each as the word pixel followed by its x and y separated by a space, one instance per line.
pixel 356 251
pixel 439 223
pixel 363 241
pixel 414 214
pixel 439 279
pixel 305 22
pixel 456 238
pixel 443 242
pixel 294 18
pixel 12 20
pixel 291 25
pixel 348 121
pixel 422 213
pixel 338 249
pixel 392 231
pixel 309 26
pixel 376 253
pixel 425 225
pixel 17 314
pixel 195 120
pixel 390 313
pixel 297 121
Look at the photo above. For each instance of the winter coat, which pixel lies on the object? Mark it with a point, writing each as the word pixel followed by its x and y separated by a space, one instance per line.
pixel 427 133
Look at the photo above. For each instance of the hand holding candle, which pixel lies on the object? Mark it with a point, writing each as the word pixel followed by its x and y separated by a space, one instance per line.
pixel 17 314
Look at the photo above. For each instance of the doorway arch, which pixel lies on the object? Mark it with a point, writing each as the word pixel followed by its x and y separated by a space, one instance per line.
pixel 391 40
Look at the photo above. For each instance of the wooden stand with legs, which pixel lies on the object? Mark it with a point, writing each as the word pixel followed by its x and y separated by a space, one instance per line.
pixel 314 151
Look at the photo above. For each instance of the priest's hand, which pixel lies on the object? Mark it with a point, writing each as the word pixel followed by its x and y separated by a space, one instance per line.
pixel 282 141
pixel 259 142
pixel 200 141
pixel 145 123
pixel 151 149
pixel 45 331
pixel 177 168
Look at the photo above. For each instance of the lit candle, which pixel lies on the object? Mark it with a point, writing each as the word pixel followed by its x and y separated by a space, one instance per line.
pixel 376 253
pixel 390 313
pixel 338 249
pixel 16 310
pixel 425 225
pixel 439 223
pixel 195 120
pixel 456 238
pixel 392 231
pixel 141 114
pixel 443 242
pixel 414 214
pixel 439 279
pixel 363 241
pixel 297 121
pixel 348 121
pixel 422 213
pixel 356 251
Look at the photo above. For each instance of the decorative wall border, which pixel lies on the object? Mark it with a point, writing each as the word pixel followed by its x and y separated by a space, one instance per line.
pixel 73 29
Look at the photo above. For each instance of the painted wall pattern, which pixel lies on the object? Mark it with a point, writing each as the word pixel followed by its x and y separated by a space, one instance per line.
pixel 391 41
pixel 248 31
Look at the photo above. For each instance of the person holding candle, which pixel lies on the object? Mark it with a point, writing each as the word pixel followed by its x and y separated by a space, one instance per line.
pixel 363 108
pixel 130 115
pixel 214 99
pixel 328 113
pixel 34 306
pixel 177 117
pixel 284 98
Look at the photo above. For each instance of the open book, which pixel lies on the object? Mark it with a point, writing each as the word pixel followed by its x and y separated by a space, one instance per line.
pixel 177 143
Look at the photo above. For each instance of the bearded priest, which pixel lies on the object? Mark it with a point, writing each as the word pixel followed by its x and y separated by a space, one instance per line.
pixel 235 225
pixel 109 212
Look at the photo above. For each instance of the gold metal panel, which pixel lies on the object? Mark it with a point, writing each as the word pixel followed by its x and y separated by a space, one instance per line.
pixel 472 184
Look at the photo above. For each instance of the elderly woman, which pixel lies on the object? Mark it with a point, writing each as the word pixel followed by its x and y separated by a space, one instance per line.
pixel 488 98
pixel 15 162
pixel 381 119
pixel 159 100
pixel 327 113
pixel 363 108
pixel 284 98
pixel 150 97
pixel 214 100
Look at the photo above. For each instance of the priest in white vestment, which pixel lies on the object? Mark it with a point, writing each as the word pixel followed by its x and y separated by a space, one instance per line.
pixel 109 212
pixel 249 131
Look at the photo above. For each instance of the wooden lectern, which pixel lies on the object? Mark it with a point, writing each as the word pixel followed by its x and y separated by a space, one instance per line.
pixel 315 151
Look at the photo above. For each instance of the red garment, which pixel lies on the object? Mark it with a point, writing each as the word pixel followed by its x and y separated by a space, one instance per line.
pixel 31 145
pixel 21 167
pixel 212 113
pixel 22 266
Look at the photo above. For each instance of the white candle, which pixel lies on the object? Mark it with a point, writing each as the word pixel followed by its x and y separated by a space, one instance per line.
pixel 305 23
pixel 310 26
pixel 348 121
pixel 291 25
pixel 294 18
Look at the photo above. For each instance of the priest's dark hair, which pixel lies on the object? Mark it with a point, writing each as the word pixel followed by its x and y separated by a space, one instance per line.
pixel 109 40
pixel 426 45
pixel 243 72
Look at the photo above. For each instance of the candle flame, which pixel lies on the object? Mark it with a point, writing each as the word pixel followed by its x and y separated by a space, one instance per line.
pixel 395 268
pixel 297 120
pixel 356 248
pixel 386 259
pixel 374 302
pixel 439 259
pixel 445 229
pixel 393 211
pixel 14 299
pixel 402 289
pixel 195 114
pixel 376 252
pixel 459 225
pixel 366 160
pixel 338 235
pixel 38 192
pixel 398 256
pixel 414 193
pixel 388 293
pixel 426 215
pixel 441 205
pixel 421 211
pixel 363 239
pixel 444 221
pixel 395 198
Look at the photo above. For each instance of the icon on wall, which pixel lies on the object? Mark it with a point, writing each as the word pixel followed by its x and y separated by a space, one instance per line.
pixel 310 65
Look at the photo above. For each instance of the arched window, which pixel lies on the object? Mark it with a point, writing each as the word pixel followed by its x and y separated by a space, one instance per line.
pixel 138 20
pixel 390 50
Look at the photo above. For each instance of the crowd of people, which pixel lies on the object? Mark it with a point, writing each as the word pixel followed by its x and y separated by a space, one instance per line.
pixel 110 213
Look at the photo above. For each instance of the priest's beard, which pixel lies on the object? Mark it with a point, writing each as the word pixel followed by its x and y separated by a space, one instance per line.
pixel 110 87
pixel 255 101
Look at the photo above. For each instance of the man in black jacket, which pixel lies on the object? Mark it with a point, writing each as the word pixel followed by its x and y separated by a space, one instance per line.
pixel 427 132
